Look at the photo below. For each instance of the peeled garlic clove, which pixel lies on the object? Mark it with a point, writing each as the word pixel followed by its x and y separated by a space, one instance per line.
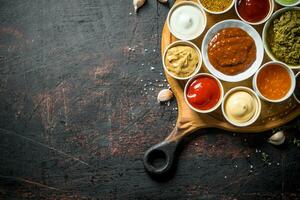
pixel 163 1
pixel 277 139
pixel 137 4
pixel 164 95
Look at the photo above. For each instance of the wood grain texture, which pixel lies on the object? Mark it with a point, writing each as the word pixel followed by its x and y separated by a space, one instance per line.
pixel 75 120
pixel 272 115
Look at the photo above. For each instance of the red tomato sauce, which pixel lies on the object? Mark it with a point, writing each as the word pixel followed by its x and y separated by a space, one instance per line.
pixel 203 93
pixel 253 10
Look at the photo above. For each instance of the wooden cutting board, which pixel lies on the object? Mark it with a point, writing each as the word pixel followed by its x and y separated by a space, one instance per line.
pixel 188 121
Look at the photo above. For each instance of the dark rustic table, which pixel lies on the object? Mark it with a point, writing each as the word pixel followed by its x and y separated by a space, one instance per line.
pixel 78 87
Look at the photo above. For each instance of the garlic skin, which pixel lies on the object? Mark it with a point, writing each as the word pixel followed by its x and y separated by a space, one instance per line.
pixel 165 95
pixel 277 139
pixel 137 4
pixel 163 1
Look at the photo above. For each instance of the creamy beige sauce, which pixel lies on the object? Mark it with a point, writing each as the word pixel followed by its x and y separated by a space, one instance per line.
pixel 240 107
pixel 181 60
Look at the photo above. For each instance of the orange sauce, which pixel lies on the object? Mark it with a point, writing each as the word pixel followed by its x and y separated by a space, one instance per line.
pixel 232 51
pixel 274 81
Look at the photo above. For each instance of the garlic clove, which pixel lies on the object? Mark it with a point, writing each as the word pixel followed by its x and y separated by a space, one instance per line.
pixel 163 1
pixel 137 4
pixel 277 139
pixel 165 95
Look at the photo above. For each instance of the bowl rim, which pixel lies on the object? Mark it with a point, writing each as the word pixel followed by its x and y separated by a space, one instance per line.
pixel 214 12
pixel 288 5
pixel 295 97
pixel 291 90
pixel 258 110
pixel 271 10
pixel 187 43
pixel 176 5
pixel 252 33
pixel 264 35
pixel 217 104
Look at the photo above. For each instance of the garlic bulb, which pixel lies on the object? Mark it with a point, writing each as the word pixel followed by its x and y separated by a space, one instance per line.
pixel 164 95
pixel 163 1
pixel 277 139
pixel 137 4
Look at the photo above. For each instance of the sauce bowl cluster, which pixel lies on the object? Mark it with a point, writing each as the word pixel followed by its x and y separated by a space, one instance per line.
pixel 232 51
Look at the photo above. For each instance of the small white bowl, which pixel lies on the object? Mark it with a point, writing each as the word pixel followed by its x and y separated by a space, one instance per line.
pixel 232 23
pixel 185 43
pixel 288 5
pixel 257 112
pixel 221 93
pixel 298 100
pixel 217 13
pixel 265 34
pixel 187 36
pixel 259 22
pixel 290 92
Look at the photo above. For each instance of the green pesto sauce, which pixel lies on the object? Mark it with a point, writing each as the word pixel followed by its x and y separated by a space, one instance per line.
pixel 287 2
pixel 285 37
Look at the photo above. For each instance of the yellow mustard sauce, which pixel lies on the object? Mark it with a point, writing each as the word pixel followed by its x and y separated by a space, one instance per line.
pixel 181 60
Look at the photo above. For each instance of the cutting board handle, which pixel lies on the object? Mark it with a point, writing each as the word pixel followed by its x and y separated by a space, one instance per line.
pixel 160 158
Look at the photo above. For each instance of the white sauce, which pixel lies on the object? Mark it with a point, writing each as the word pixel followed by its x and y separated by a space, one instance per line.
pixel 240 107
pixel 187 22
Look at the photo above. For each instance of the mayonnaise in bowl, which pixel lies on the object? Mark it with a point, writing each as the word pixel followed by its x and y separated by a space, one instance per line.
pixel 241 106
pixel 186 20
